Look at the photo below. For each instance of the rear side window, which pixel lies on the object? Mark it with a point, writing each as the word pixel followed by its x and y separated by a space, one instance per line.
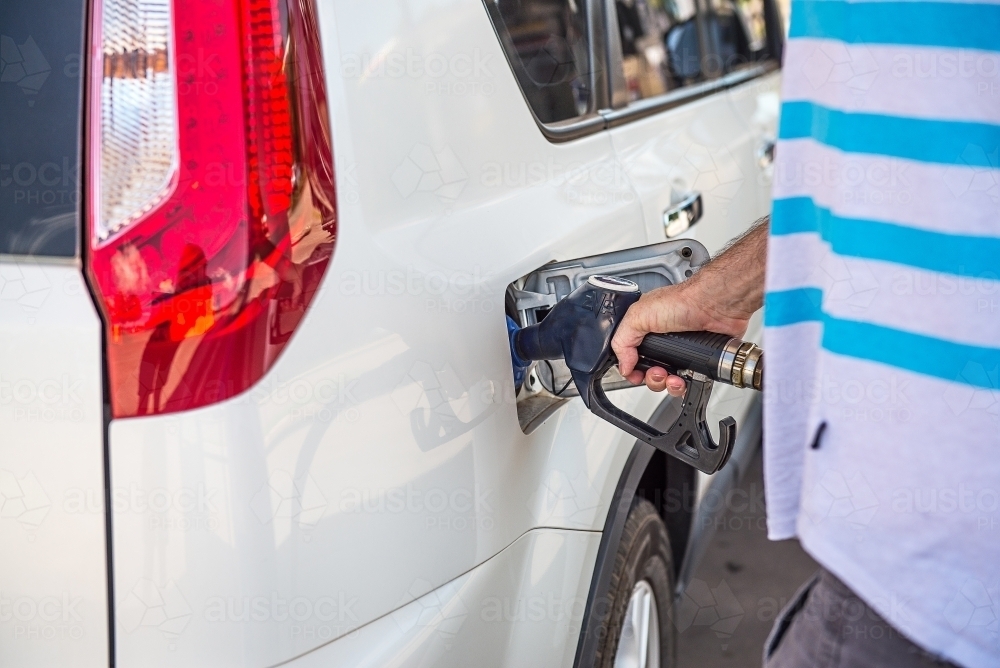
pixel 659 45
pixel 547 46
pixel 661 48
pixel 738 29
pixel 41 53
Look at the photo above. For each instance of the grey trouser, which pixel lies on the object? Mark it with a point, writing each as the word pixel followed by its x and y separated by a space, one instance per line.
pixel 827 626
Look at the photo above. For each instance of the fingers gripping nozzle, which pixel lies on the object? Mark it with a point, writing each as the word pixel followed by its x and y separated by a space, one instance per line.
pixel 579 328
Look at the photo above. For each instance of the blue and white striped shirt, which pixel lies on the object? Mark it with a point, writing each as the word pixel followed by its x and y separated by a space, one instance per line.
pixel 883 312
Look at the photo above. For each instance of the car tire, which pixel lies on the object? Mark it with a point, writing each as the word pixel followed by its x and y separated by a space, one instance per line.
pixel 640 595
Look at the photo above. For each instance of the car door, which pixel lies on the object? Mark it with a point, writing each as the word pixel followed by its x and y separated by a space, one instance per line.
pixel 686 80
pixel 684 84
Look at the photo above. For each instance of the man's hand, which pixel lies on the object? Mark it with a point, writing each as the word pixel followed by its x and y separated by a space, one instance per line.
pixel 674 308
pixel 721 297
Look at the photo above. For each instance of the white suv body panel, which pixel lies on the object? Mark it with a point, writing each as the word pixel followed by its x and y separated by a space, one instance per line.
pixel 383 447
pixel 378 470
pixel 273 527
pixel 523 607
pixel 53 569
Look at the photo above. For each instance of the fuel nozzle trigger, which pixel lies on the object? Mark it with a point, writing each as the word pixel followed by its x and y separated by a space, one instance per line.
pixel 688 438
pixel 579 328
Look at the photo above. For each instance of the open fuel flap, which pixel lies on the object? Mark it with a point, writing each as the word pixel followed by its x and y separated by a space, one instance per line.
pixel 548 384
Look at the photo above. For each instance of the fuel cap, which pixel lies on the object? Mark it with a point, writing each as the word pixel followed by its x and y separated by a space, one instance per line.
pixel 613 283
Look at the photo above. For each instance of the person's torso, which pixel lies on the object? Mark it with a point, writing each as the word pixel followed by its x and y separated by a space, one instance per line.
pixel 882 311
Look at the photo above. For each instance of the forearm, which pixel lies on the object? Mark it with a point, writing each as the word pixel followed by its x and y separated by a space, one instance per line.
pixel 732 284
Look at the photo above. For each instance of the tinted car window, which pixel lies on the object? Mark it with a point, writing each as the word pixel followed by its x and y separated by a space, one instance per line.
pixel 659 45
pixel 40 102
pixel 546 44
pixel 752 12
pixel 738 30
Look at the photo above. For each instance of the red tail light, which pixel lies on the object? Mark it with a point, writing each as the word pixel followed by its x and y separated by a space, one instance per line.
pixel 212 214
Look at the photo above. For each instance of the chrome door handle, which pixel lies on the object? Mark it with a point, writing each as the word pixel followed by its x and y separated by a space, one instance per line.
pixel 679 217
pixel 765 152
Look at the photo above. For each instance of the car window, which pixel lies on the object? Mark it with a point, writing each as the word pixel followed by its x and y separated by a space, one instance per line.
pixel 546 44
pixel 40 103
pixel 659 41
pixel 752 12
pixel 739 33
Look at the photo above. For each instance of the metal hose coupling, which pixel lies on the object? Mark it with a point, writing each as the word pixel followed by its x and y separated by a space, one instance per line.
pixel 742 364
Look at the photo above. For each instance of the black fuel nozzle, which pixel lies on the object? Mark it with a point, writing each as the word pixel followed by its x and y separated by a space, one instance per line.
pixel 579 328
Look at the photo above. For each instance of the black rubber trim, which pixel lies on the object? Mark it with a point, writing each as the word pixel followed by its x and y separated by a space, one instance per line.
pixel 108 527
pixel 681 96
pixel 596 613
pixel 605 119
pixel 106 414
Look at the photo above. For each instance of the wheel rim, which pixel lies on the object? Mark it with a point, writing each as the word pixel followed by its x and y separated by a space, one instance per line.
pixel 639 640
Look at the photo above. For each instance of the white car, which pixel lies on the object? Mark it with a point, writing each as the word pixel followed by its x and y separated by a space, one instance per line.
pixel 256 260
